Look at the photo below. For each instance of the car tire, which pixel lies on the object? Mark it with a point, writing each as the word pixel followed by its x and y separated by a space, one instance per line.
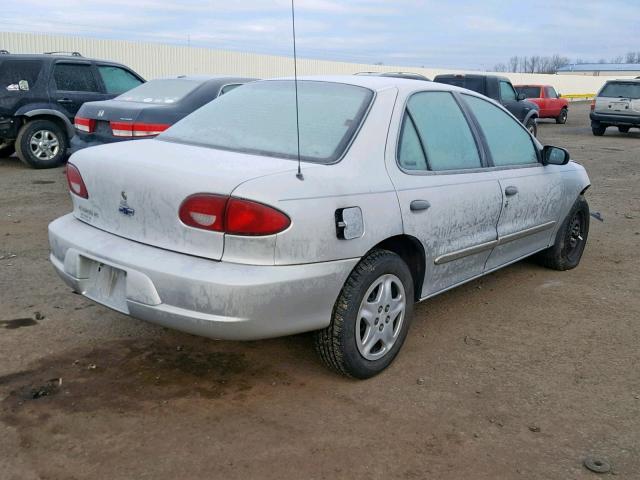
pixel 7 147
pixel 624 129
pixel 599 130
pixel 358 347
pixel 571 239
pixel 42 144
pixel 562 118
pixel 532 126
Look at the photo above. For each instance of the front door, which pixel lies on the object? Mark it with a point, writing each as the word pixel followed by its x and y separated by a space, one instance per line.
pixel 448 200
pixel 532 194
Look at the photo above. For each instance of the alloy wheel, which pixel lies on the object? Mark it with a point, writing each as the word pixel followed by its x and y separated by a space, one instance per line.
pixel 380 317
pixel 44 145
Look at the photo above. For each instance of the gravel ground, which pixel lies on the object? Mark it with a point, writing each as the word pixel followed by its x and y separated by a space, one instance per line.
pixel 521 374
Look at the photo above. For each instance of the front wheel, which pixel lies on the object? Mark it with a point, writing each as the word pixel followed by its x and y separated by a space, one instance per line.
pixel 41 144
pixel 532 126
pixel 623 129
pixel 571 239
pixel 370 318
pixel 562 118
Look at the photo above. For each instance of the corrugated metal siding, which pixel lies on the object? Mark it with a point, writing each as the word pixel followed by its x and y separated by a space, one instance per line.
pixel 155 60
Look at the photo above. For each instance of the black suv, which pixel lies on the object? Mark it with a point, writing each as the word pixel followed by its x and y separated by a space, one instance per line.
pixel 40 95
pixel 501 90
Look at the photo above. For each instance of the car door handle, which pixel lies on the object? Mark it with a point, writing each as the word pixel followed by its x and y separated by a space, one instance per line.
pixel 65 100
pixel 418 205
pixel 511 190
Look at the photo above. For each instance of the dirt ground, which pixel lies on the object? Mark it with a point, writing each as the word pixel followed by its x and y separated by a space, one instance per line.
pixel 521 374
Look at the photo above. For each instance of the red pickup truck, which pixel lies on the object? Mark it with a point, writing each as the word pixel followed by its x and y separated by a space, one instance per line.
pixel 551 104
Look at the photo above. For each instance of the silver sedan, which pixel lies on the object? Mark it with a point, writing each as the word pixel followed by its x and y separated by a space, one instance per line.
pixel 230 225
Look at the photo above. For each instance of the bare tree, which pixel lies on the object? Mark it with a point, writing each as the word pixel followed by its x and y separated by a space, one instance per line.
pixel 514 63
pixel 617 59
pixel 630 57
pixel 499 67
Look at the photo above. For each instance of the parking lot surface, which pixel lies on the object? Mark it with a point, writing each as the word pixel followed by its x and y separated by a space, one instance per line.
pixel 521 374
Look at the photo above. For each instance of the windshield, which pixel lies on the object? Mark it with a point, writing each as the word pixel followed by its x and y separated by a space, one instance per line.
pixel 260 118
pixel 529 92
pixel 165 91
pixel 621 90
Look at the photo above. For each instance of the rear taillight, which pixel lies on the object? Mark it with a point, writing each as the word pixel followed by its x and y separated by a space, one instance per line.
pixel 593 104
pixel 130 129
pixel 235 216
pixel 76 184
pixel 86 125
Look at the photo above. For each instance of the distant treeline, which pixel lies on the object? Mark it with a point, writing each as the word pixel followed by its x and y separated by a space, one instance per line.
pixel 540 64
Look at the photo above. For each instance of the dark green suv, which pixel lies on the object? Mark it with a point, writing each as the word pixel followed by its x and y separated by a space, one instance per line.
pixel 40 95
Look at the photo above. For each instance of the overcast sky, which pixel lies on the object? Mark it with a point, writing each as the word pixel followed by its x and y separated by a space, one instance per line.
pixel 431 33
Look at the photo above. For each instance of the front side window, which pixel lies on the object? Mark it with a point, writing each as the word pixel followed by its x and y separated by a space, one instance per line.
pixel 70 77
pixel 435 135
pixel 508 141
pixel 507 93
pixel 551 92
pixel 260 118
pixel 117 80
pixel 14 71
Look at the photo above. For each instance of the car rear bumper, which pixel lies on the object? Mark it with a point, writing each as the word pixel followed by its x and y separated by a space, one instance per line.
pixel 80 142
pixel 608 119
pixel 203 297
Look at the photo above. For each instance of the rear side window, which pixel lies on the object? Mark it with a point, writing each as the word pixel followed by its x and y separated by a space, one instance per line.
pixel 529 92
pixel 117 80
pixel 70 77
pixel 509 142
pixel 507 93
pixel 14 71
pixel 621 90
pixel 434 122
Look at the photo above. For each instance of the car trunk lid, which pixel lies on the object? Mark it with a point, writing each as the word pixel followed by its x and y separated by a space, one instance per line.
pixel 136 189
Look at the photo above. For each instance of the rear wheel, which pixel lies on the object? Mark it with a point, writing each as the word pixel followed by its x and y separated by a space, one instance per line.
pixel 370 318
pixel 623 129
pixel 571 239
pixel 599 130
pixel 562 118
pixel 532 126
pixel 6 148
pixel 41 144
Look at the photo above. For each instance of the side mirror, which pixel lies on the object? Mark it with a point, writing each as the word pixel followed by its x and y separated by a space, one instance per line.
pixel 555 156
pixel 521 96
pixel 559 95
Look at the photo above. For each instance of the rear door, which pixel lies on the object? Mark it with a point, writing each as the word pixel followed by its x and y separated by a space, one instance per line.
pixel 448 200
pixel 74 83
pixel 532 194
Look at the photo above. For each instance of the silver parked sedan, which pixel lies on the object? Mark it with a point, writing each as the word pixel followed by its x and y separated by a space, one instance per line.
pixel 407 189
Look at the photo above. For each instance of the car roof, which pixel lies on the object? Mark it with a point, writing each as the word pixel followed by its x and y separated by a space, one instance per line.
pixel 378 83
pixel 536 85
pixel 53 57
pixel 625 80
pixel 222 79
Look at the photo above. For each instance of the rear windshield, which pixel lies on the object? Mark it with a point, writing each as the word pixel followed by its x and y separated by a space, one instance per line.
pixel 165 91
pixel 14 71
pixel 260 118
pixel 470 83
pixel 529 92
pixel 621 90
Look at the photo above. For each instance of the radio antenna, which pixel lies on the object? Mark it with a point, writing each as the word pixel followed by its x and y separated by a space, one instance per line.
pixel 299 175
